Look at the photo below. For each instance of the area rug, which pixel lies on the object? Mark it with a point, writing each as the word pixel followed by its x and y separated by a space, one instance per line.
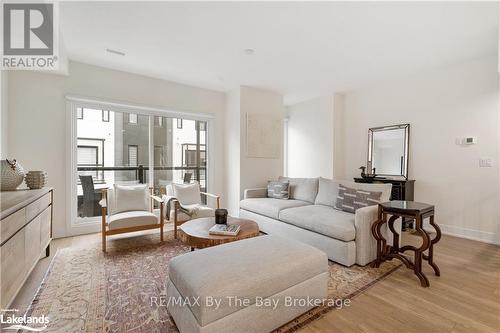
pixel 88 291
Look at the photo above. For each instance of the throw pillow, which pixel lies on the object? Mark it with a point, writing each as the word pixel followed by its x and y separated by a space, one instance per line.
pixel 128 198
pixel 187 194
pixel 328 191
pixel 304 189
pixel 278 190
pixel 350 199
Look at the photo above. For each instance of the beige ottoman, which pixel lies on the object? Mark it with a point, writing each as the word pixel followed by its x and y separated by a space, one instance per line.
pixel 252 285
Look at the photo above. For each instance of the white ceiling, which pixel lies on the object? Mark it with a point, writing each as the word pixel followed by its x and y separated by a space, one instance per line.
pixel 301 49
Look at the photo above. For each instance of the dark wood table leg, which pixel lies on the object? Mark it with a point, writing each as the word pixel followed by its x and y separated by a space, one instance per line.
pixel 376 263
pixel 417 268
pixel 430 258
pixel 381 241
pixel 395 235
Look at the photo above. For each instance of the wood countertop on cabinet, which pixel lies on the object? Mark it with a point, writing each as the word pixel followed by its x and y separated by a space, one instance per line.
pixel 12 201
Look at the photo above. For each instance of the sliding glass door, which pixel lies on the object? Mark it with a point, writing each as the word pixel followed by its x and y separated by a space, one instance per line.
pixel 180 152
pixel 114 147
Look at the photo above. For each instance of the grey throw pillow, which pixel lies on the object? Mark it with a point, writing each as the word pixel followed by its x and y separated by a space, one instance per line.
pixel 350 199
pixel 278 190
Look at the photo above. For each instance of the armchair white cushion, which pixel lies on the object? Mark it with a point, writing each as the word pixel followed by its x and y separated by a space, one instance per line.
pixel 130 198
pixel 131 219
pixel 187 194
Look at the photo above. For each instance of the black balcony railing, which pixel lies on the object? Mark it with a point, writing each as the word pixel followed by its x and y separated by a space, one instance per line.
pixel 141 171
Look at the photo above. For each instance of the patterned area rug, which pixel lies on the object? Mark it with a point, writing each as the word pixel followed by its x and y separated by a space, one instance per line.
pixel 87 291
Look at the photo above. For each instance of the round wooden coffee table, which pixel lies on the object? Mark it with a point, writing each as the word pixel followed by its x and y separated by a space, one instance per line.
pixel 195 232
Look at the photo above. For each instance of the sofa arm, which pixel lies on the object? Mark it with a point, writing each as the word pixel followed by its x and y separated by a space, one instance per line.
pixel 255 193
pixel 366 244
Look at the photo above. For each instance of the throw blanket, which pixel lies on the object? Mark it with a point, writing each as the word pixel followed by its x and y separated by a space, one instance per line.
pixel 193 211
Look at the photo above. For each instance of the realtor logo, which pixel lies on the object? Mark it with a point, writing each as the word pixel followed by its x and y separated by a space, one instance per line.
pixel 29 39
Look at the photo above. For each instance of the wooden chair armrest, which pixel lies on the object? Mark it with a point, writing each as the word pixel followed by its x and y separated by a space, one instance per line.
pixel 156 198
pixel 210 195
pixel 216 197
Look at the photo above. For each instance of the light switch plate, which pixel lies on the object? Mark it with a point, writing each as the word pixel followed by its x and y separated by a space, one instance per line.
pixel 485 163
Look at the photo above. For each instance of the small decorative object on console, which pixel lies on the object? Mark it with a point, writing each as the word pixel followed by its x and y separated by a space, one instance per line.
pixel 12 175
pixel 224 230
pixel 36 179
pixel 221 216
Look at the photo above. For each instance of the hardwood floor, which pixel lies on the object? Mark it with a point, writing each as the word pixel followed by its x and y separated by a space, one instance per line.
pixel 466 298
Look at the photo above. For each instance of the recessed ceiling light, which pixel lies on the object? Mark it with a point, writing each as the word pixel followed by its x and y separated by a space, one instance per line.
pixel 115 52
pixel 249 51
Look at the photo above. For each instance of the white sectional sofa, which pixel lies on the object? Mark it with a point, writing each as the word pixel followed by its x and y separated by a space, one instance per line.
pixel 309 216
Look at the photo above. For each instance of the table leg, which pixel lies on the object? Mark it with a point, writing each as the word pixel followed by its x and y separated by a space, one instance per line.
pixel 417 268
pixel 430 258
pixel 381 241
pixel 376 263
pixel 395 235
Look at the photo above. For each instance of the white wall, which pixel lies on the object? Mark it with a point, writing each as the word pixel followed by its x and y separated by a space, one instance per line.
pixel 4 115
pixel 245 172
pixel 310 138
pixel 441 106
pixel 37 127
pixel 255 172
pixel 232 151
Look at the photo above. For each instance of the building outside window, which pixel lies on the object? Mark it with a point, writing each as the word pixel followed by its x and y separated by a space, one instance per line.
pixel 159 121
pixel 133 155
pixel 179 123
pixel 79 113
pixel 105 116
pixel 132 118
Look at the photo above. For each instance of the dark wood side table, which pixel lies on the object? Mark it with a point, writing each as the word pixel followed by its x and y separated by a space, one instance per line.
pixel 402 189
pixel 409 209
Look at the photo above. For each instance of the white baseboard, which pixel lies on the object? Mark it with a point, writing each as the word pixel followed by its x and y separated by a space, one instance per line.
pixel 477 235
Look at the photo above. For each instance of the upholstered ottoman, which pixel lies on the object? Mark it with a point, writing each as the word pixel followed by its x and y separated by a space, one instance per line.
pixel 252 285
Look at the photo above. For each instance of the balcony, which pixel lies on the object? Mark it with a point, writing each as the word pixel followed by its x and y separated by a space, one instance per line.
pixel 89 193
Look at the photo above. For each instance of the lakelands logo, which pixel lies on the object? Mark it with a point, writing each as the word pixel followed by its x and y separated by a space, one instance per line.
pixel 29 36
pixel 27 323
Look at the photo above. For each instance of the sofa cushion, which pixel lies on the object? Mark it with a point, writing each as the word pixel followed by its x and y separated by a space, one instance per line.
pixel 260 266
pixel 131 219
pixel 321 219
pixel 304 189
pixel 328 190
pixel 268 206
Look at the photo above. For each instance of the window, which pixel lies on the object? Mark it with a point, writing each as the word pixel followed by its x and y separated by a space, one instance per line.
pixel 79 113
pixel 133 155
pixel 109 152
pixel 202 125
pixel 105 116
pixel 87 155
pixel 179 123
pixel 132 118
pixel 189 155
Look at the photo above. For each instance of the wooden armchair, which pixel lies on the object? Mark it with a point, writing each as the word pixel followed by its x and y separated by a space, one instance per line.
pixel 116 220
pixel 178 215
